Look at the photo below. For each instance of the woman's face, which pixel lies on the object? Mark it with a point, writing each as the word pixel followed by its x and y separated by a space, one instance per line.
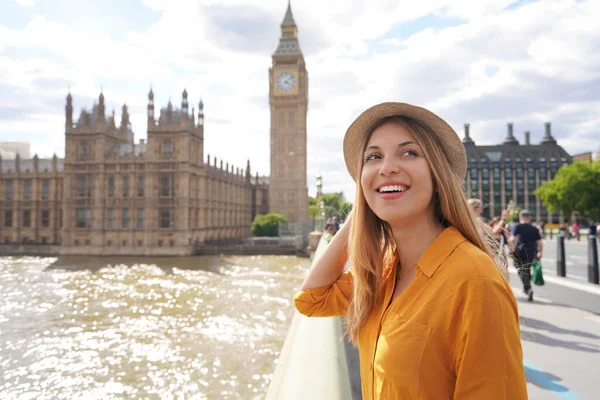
pixel 396 179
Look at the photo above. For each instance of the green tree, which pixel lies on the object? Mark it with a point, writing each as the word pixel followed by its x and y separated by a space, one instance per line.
pixel 331 204
pixel 513 214
pixel 345 209
pixel 267 224
pixel 576 187
pixel 312 201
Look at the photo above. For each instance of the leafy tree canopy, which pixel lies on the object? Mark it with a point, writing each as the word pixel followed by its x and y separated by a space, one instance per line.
pixel 576 187
pixel 267 224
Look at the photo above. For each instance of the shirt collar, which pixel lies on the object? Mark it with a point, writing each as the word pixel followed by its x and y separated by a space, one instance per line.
pixel 438 250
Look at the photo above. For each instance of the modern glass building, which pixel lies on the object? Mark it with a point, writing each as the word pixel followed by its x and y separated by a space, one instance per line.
pixel 512 171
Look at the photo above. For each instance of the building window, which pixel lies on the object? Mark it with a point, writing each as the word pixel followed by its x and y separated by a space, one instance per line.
pixel 44 240
pixel 109 243
pixel 110 215
pixel 111 186
pixel 87 242
pixel 140 218
pixel 531 185
pixel 27 190
pixel 84 150
pixel 167 185
pixel 160 243
pixel 553 168
pixel 125 186
pixel 292 119
pixel 508 180
pixel 543 174
pixel 26 218
pixel 474 180
pixel 125 219
pixel 140 243
pixel 45 218
pixel 281 119
pixel 45 190
pixel 76 242
pixel 83 218
pixel 60 218
pixel 167 148
pixel 140 186
pixel 9 191
pixel 84 186
pixel 166 218
pixel 8 219
pixel 124 243
pixel 171 243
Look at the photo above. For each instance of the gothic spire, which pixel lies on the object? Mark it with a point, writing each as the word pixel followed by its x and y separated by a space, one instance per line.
pixel 288 20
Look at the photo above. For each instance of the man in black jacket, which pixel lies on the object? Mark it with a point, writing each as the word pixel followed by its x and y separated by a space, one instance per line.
pixel 526 246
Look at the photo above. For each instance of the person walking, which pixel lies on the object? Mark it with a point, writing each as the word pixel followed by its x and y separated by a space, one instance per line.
pixel 425 301
pixel 576 228
pixel 526 246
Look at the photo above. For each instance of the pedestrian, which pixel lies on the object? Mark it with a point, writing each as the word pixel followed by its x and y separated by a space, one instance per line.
pixel 543 229
pixel 576 228
pixel 476 207
pixel 526 246
pixel 499 232
pixel 329 232
pixel 430 310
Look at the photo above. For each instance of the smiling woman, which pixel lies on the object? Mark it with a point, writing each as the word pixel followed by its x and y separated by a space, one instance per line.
pixel 425 300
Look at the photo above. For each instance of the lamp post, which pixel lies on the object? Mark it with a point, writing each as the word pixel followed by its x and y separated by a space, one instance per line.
pixel 320 202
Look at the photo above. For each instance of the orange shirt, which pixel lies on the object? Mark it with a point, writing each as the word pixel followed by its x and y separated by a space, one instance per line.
pixel 452 334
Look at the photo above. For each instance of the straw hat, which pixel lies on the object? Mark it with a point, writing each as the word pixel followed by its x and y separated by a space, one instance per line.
pixel 450 142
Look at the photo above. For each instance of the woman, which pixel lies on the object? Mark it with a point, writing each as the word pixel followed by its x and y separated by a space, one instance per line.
pixel 499 232
pixel 430 311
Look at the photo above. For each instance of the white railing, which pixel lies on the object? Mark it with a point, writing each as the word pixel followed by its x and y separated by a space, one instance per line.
pixel 312 363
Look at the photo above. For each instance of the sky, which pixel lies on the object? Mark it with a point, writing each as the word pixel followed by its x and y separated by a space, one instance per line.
pixel 484 62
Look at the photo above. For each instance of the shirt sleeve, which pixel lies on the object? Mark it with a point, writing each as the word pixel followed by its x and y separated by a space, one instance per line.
pixel 327 301
pixel 513 230
pixel 489 357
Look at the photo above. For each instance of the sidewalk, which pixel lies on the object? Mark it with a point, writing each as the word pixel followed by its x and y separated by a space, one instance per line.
pixel 576 254
pixel 561 348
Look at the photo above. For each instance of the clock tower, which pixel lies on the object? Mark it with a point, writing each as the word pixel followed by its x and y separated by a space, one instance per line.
pixel 288 98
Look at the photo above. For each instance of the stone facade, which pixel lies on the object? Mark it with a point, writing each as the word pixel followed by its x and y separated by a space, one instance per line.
pixel 512 171
pixel 112 196
pixel 288 98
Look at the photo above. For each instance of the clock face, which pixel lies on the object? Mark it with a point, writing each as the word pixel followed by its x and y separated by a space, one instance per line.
pixel 286 81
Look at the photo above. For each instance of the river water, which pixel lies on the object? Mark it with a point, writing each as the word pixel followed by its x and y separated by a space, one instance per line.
pixel 155 328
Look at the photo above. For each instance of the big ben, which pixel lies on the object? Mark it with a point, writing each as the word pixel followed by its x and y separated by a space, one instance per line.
pixel 288 98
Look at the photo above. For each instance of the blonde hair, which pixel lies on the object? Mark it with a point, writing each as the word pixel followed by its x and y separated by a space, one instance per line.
pixel 474 203
pixel 371 243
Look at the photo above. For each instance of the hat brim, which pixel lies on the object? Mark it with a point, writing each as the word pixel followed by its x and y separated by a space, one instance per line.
pixel 451 144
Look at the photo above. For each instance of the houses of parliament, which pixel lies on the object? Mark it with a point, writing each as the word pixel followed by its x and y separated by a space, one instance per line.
pixel 160 196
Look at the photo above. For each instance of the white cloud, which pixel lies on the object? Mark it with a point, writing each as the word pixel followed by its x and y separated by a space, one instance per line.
pixel 26 3
pixel 546 55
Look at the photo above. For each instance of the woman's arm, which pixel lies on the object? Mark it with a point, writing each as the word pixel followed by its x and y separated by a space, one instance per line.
pixel 330 265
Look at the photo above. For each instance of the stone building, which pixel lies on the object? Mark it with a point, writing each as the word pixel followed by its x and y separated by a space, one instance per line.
pixel 512 171
pixel 110 195
pixel 160 196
